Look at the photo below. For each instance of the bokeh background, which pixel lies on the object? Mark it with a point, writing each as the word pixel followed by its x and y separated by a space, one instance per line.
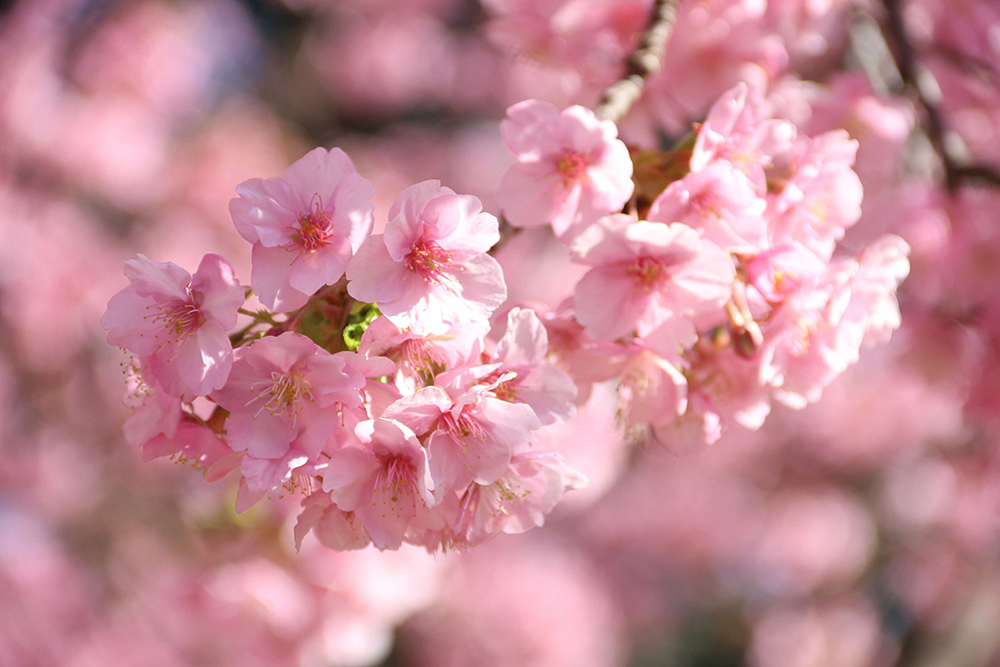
pixel 862 531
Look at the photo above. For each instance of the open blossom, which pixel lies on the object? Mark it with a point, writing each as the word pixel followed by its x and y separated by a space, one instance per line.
pixel 780 271
pixel 471 433
pixel 430 270
pixel 176 323
pixel 649 278
pixel 285 392
pixel 726 388
pixel 155 413
pixel 720 202
pixel 548 390
pixel 821 198
pixel 585 359
pixel 385 482
pixel 736 131
pixel 652 388
pixel 519 500
pixel 332 526
pixel 158 427
pixel 819 330
pixel 304 227
pixel 420 358
pixel 571 169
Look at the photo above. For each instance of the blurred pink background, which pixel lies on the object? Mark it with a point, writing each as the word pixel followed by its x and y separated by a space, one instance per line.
pixel 862 531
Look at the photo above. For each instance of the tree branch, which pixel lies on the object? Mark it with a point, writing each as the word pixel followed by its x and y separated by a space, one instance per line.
pixel 921 82
pixel 647 59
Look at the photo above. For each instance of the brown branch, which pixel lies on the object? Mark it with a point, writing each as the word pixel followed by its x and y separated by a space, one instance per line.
pixel 984 173
pixel 924 87
pixel 647 59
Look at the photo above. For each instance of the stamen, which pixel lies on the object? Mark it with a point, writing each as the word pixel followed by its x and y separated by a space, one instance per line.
pixel 706 203
pixel 395 482
pixel 572 166
pixel 314 227
pixel 463 427
pixel 428 260
pixel 648 273
pixel 179 319
pixel 285 393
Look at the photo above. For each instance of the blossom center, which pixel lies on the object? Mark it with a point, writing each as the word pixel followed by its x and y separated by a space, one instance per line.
pixel 179 319
pixel 284 393
pixel 428 260
pixel 314 228
pixel 572 166
pixel 462 427
pixel 419 356
pixel 706 203
pixel 648 273
pixel 396 478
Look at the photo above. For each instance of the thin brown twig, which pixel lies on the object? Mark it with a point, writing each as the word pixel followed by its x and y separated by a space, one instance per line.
pixel 921 82
pixel 647 59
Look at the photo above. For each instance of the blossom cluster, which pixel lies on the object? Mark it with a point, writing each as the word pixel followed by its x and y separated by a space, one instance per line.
pixel 374 384
pixel 379 393
pixel 720 288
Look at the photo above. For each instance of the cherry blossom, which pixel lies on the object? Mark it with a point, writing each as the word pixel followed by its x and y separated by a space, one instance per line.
pixel 518 500
pixel 571 169
pixel 548 390
pixel 650 279
pixel 736 131
pixel 177 322
pixel 822 198
pixel 471 434
pixel 720 202
pixel 304 227
pixel 385 482
pixel 285 390
pixel 430 269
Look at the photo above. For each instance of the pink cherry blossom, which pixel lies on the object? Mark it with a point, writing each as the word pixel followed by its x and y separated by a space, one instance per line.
pixel 737 131
pixel 822 198
pixel 471 433
pixel 290 471
pixel 519 500
pixel 304 227
pixel 548 390
pixel 718 201
pixel 420 358
pixel 155 413
pixel 782 270
pixel 332 526
pixel 385 482
pixel 286 390
pixel 195 445
pixel 648 278
pixel 652 388
pixel 819 330
pixel 430 269
pixel 177 322
pixel 724 388
pixel 571 169
pixel 585 359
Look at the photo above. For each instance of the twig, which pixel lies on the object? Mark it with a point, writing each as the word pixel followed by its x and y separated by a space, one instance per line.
pixel 919 79
pixel 978 172
pixel 619 97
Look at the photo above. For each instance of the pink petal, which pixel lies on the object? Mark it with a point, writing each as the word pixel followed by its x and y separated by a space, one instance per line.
pixel 218 292
pixel 269 278
pixel 318 172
